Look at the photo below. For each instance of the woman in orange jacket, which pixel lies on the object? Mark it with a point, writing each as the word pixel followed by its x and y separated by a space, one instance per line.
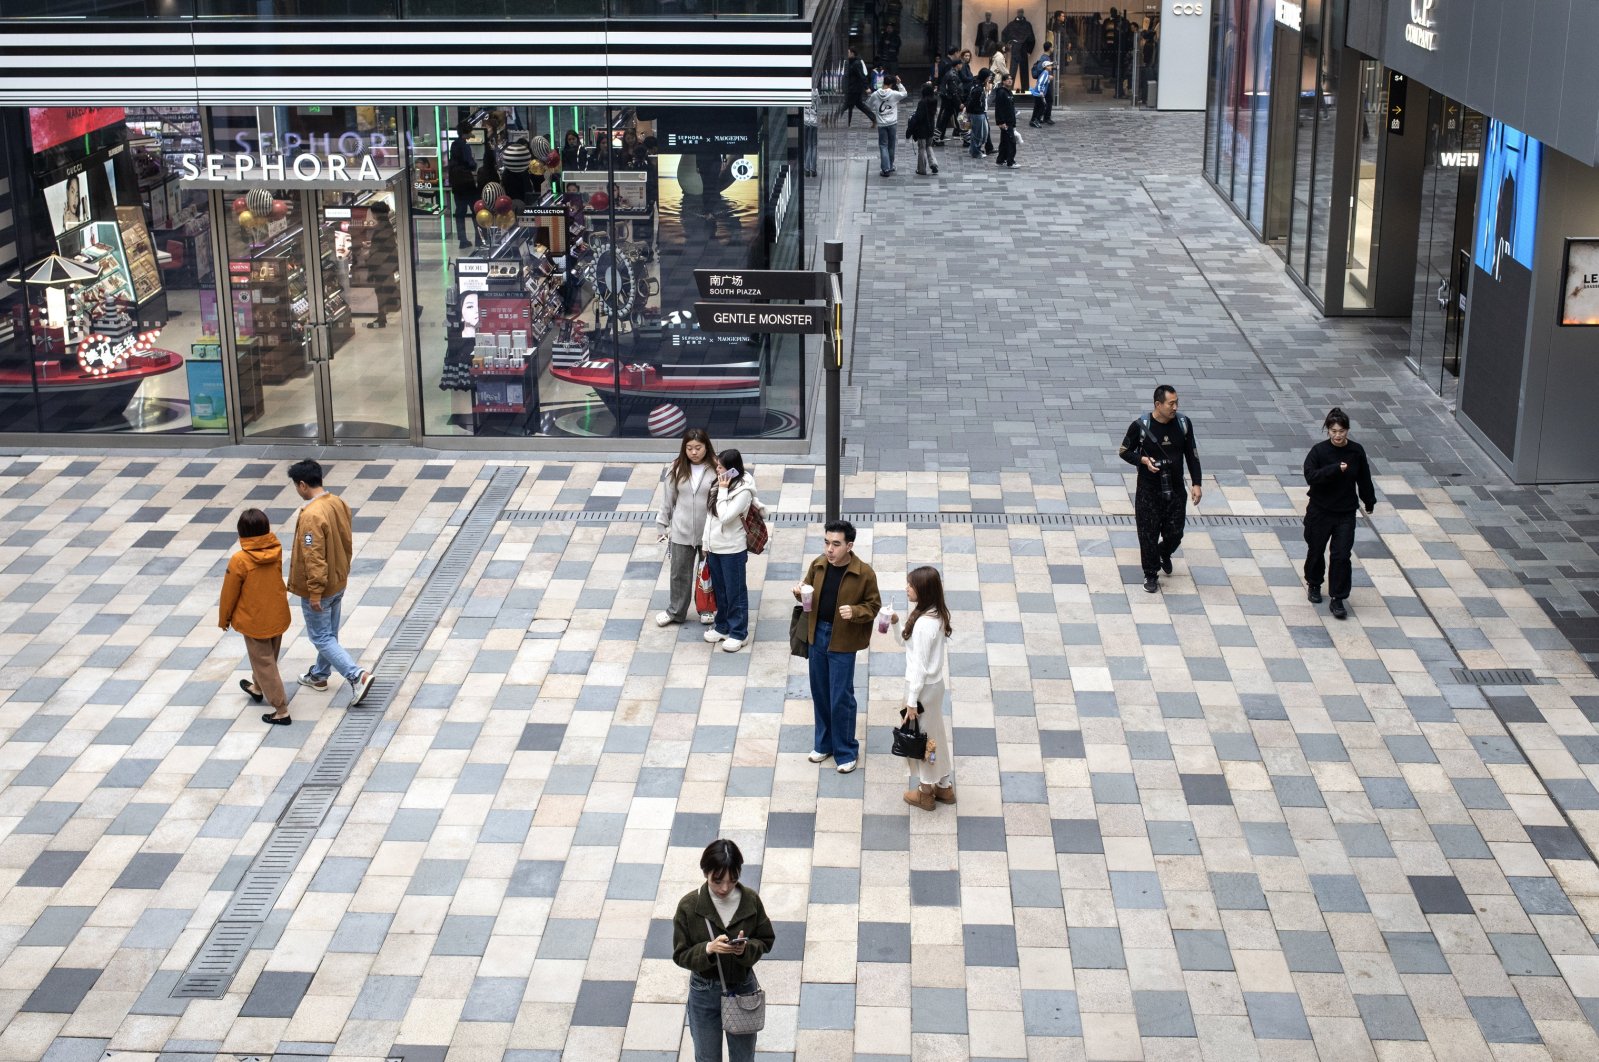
pixel 255 602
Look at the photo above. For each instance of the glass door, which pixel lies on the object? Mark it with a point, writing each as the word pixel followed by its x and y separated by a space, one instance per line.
pixel 303 267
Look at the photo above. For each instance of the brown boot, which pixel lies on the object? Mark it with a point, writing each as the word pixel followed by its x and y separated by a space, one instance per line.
pixel 944 794
pixel 920 797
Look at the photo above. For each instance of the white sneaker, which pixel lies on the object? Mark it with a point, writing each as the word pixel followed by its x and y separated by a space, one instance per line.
pixel 713 637
pixel 817 757
pixel 732 645
pixel 664 619
pixel 707 618
pixel 846 768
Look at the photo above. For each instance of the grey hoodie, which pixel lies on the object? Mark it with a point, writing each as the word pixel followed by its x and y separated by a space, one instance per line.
pixel 683 508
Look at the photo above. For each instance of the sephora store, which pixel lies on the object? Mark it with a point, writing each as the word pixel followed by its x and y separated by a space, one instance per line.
pixel 191 248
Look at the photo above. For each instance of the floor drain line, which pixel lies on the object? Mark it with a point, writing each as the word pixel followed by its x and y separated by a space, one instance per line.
pixel 927 518
pixel 225 946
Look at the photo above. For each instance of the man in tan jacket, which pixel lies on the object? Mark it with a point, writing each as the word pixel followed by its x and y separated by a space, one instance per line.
pixel 319 570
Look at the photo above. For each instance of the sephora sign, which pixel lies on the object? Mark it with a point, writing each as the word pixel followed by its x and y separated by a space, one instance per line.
pixel 276 168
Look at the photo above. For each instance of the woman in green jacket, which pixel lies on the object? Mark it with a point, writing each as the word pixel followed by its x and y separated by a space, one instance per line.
pixel 719 923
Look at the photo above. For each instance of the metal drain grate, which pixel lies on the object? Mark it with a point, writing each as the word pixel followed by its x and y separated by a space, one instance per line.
pixel 224 948
pixel 1495 676
pixel 805 519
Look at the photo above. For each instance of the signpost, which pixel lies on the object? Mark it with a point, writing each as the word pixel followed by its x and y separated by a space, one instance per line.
pixel 759 317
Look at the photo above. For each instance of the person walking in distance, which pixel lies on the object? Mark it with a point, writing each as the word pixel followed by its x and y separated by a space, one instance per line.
pixel 842 592
pixel 719 932
pixel 949 93
pixel 1005 118
pixel 727 548
pixel 1339 476
pixel 685 498
pixel 927 629
pixel 319 571
pixel 921 129
pixel 256 604
pixel 977 111
pixel 884 103
pixel 1043 86
pixel 1158 444
pixel 854 89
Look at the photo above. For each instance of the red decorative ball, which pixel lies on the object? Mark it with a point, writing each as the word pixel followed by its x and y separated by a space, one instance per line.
pixel 600 200
pixel 280 208
pixel 502 204
pixel 553 159
pixel 239 205
pixel 479 205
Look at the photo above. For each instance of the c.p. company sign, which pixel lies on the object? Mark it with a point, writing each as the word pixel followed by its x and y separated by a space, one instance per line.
pixel 1422 30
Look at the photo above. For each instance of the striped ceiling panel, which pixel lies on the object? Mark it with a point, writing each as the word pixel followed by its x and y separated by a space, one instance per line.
pixel 51 63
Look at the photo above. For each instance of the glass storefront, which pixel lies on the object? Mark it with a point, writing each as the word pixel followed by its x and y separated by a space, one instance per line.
pixel 1238 110
pixel 1443 254
pixel 348 273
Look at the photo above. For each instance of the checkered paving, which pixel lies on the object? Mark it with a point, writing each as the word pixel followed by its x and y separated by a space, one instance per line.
pixel 1213 821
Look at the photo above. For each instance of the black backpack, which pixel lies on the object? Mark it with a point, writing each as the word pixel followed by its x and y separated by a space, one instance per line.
pixel 949 86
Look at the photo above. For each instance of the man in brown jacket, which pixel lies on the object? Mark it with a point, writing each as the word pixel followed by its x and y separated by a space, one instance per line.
pixel 319 570
pixel 844 603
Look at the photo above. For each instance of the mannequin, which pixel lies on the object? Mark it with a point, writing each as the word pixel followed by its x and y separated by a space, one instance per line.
pixel 987 36
pixel 1019 44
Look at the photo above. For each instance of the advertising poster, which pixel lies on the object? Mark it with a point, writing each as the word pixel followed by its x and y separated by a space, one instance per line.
pixel 1579 303
pixel 49 126
pixel 1507 215
pixel 67 203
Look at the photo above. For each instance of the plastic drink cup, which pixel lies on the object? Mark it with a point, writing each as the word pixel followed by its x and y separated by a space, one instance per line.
pixel 884 615
pixel 807 596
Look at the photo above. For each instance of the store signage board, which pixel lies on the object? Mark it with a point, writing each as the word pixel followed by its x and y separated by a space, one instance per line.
pixel 1290 14
pixel 796 284
pixel 1398 86
pixel 1422 31
pixel 742 318
pixel 310 171
pixel 1579 293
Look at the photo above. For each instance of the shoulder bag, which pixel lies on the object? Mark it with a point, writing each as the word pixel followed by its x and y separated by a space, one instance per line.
pixel 798 645
pixel 742 1015
pixel 704 591
pixel 756 532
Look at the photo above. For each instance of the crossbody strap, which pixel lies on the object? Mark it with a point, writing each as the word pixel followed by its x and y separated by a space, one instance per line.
pixel 719 975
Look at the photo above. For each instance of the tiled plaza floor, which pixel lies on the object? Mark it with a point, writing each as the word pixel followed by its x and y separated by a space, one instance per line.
pixel 1212 824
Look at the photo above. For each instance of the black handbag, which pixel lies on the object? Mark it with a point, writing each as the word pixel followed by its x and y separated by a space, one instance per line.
pixel 798 645
pixel 910 740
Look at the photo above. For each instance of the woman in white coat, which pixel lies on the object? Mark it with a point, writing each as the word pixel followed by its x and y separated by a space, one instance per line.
pixel 684 505
pixel 927 629
pixel 727 550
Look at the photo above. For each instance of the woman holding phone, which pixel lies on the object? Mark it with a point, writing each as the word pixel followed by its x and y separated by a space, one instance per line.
pixel 926 630
pixel 719 933
pixel 727 549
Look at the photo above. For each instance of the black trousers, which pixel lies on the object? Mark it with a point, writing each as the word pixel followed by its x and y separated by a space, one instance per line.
pixel 1040 108
pixel 1338 529
pixel 856 101
pixel 947 109
pixel 1160 523
pixel 1007 146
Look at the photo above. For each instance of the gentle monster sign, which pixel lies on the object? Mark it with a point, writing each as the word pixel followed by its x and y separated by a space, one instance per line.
pixel 276 168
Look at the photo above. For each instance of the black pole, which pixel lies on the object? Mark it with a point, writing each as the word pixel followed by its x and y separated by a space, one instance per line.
pixel 833 360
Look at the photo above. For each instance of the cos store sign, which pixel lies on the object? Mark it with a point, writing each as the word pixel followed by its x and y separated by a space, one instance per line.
pixel 1188 9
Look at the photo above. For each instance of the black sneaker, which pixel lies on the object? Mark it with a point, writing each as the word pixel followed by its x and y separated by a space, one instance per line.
pixel 1337 608
pixel 1165 563
pixel 1314 595
pixel 1151 585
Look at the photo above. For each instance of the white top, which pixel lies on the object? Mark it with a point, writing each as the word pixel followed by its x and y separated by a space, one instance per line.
pixel 724 529
pixel 926 657
pixel 696 475
pixel 727 907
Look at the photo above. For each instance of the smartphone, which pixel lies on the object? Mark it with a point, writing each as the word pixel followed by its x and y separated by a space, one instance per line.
pixel 738 941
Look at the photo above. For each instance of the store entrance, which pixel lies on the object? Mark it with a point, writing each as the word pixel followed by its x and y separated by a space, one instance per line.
pixel 314 309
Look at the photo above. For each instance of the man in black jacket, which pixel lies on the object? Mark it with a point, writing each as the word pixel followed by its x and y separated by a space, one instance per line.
pixel 949 92
pixel 1005 118
pixel 1339 477
pixel 855 88
pixel 1158 444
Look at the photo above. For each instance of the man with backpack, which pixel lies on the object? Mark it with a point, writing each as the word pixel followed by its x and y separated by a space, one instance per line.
pixel 1158 444
pixel 1044 89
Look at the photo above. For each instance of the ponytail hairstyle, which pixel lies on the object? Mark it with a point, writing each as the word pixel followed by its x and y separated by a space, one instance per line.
pixel 929 587
pixel 681 467
pixel 733 461
pixel 1336 418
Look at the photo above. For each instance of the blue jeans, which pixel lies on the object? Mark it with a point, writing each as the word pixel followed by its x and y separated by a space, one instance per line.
pixel 887 135
pixel 732 593
pixel 978 135
pixel 705 1021
pixel 323 630
pixel 833 698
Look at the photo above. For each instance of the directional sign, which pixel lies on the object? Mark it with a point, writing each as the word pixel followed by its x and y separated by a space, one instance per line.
pixel 797 284
pixel 743 318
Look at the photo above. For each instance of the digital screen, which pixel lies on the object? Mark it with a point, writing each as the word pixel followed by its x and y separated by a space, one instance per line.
pixel 1507 217
pixel 50 126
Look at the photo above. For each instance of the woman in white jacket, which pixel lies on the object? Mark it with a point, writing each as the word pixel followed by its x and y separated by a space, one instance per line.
pixel 684 506
pixel 727 549
pixel 927 684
